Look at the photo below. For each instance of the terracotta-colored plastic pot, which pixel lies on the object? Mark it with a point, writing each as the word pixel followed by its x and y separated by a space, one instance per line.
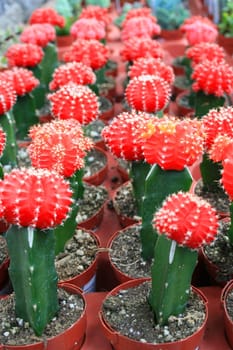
pixel 226 43
pixel 93 221
pixel 64 40
pixel 119 275
pixel 4 273
pixel 172 34
pixel 87 279
pixel 106 109
pixel 98 177
pixel 71 339
pixel 120 342
pixel 228 322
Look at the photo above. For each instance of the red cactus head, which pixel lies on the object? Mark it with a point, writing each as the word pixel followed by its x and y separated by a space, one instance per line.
pixel 217 122
pixel 2 141
pixel 90 52
pixel 94 11
pixel 148 93
pixel 173 143
pixel 227 175
pixel 88 28
pixel 213 78
pixel 39 34
pixel 24 55
pixel 37 198
pixel 138 12
pixel 76 72
pixel 187 219
pixel 141 27
pixel 74 101
pixel 135 48
pixel 59 145
pixel 221 148
pixel 7 96
pixel 123 135
pixel 205 51
pixel 22 80
pixel 151 66
pixel 199 29
pixel 47 15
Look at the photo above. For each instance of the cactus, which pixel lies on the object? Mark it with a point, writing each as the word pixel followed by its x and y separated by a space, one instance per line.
pixel 41 201
pixel 184 222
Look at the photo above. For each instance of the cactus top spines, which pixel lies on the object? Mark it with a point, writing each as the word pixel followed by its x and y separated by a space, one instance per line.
pixel 216 122
pixel 75 101
pixel 22 79
pixel 213 78
pixel 151 65
pixel 135 48
pixel 123 135
pixel 7 96
pixel 148 93
pixel 47 15
pixel 76 72
pixel 40 34
pixel 227 175
pixel 93 53
pixel 88 28
pixel 37 198
pixel 205 51
pixel 24 55
pixel 173 143
pixel 187 219
pixel 59 145
pixel 98 12
pixel 141 27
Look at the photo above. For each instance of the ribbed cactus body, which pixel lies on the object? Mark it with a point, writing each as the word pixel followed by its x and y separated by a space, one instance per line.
pixel 9 156
pixel 171 278
pixel 158 185
pixel 33 275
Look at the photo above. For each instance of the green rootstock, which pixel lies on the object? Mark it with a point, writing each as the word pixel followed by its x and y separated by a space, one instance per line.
pixel 9 156
pixel 159 184
pixel 66 230
pixel 172 271
pixel 33 275
pixel 210 173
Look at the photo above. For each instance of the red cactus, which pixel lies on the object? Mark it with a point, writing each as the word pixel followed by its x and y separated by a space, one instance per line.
pixel 75 101
pixel 138 12
pixel 37 198
pixel 187 219
pixel 173 143
pixel 227 175
pixel 151 66
pixel 47 15
pixel 217 122
pixel 213 77
pixel 94 11
pixel 148 93
pixel 205 51
pixel 38 34
pixel 59 145
pixel 221 148
pixel 24 55
pixel 135 48
pixel 7 96
pixel 90 52
pixel 22 80
pixel 88 28
pixel 76 72
pixel 141 27
pixel 199 29
pixel 123 135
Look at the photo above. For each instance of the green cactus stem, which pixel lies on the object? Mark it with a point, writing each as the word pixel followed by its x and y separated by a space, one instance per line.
pixel 138 173
pixel 210 173
pixel 171 278
pixel 33 275
pixel 9 156
pixel 65 231
pixel 203 103
pixel 25 115
pixel 158 185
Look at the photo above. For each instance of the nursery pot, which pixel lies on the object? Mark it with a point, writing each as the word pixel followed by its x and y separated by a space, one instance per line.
pixel 71 339
pixel 120 342
pixel 98 177
pixel 228 322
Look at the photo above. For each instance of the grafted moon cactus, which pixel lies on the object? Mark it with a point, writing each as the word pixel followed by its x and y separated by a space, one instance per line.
pixel 34 202
pixel 184 222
